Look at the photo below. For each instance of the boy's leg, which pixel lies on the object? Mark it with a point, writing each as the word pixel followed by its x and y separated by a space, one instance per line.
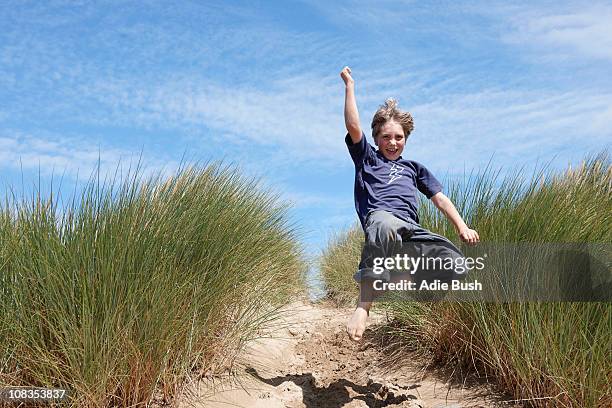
pixel 381 232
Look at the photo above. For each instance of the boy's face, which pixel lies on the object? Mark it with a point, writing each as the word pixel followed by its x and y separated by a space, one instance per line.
pixel 391 140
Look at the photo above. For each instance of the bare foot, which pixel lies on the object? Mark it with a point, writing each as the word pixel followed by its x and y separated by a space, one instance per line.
pixel 357 323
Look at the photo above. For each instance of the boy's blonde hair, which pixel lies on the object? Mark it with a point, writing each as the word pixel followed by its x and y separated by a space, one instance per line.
pixel 388 111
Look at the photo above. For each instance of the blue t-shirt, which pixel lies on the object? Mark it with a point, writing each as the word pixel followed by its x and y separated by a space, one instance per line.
pixel 391 185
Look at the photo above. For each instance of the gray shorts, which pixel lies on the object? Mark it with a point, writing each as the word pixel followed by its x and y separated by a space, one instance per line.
pixel 384 233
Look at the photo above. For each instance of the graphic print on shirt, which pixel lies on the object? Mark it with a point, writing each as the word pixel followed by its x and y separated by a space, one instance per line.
pixel 394 173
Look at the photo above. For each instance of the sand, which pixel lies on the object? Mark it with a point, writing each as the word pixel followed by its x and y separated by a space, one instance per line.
pixel 307 360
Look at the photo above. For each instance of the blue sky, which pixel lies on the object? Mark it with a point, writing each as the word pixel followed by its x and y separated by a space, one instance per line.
pixel 256 83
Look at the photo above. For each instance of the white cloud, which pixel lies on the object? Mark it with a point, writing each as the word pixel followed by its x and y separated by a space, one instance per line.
pixel 73 157
pixel 586 32
pixel 517 125
pixel 302 116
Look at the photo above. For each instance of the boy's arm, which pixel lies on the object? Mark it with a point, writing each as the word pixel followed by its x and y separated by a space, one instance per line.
pixel 444 204
pixel 351 114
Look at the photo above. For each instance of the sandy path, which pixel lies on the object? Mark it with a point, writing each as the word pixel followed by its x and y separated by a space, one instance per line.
pixel 310 362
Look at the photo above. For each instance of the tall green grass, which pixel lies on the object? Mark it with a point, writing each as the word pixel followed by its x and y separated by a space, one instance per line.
pixel 545 354
pixel 133 285
pixel 337 266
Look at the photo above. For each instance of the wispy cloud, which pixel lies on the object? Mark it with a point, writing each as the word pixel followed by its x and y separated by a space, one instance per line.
pixel 518 126
pixel 72 156
pixel 584 31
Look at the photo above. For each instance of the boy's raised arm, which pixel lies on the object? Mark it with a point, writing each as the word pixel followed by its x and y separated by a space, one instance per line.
pixel 351 114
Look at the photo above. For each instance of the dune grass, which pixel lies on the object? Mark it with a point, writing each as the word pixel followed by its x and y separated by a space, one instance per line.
pixel 556 354
pixel 337 266
pixel 132 285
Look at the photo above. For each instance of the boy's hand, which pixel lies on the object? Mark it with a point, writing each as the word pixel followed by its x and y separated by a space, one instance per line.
pixel 469 236
pixel 351 114
pixel 346 76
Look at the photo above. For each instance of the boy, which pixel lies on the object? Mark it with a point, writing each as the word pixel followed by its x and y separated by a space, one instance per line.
pixel 385 192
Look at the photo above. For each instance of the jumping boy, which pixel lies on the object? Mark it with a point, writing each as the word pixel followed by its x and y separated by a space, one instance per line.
pixel 386 188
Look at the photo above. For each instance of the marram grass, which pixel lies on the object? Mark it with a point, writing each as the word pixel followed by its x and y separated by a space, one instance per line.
pixel 135 285
pixel 337 266
pixel 543 354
